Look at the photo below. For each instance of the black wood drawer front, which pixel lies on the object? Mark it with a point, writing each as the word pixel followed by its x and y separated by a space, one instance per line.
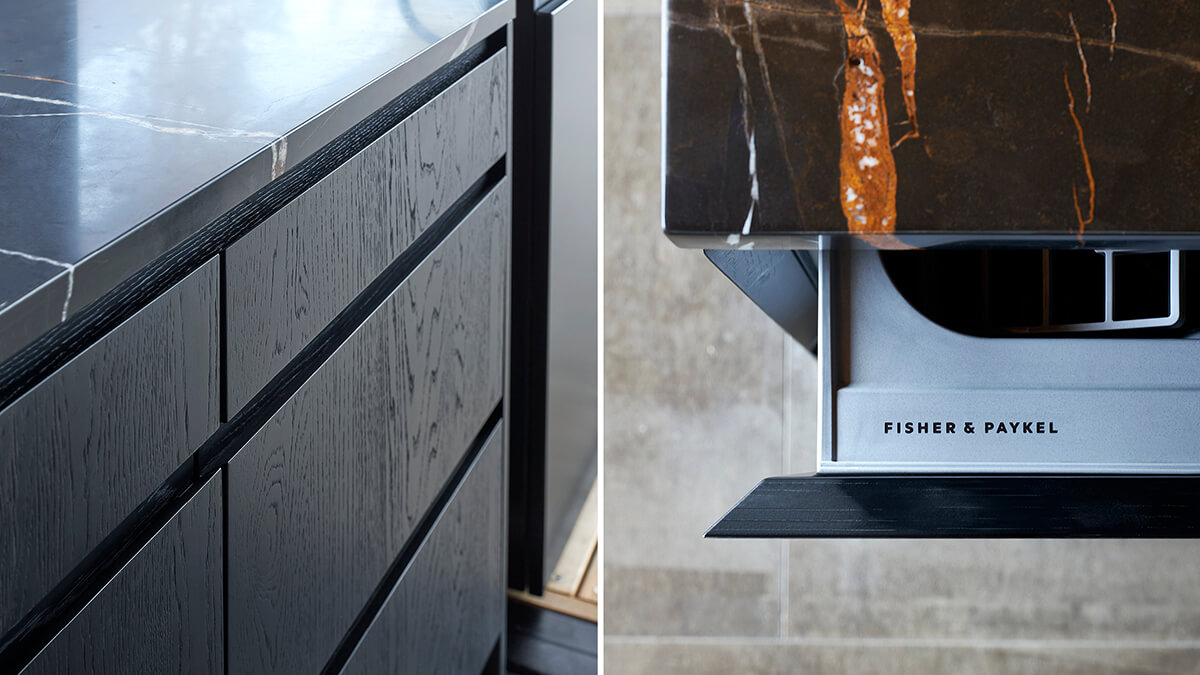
pixel 323 497
pixel 286 279
pixel 162 613
pixel 448 608
pixel 83 448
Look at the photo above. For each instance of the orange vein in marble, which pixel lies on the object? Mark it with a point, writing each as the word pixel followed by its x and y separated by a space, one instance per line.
pixel 899 26
pixel 944 31
pixel 1087 79
pixel 1087 165
pixel 868 170
pixel 35 77
pixel 1112 45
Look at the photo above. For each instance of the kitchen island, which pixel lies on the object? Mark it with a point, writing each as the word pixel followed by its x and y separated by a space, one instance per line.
pixel 254 272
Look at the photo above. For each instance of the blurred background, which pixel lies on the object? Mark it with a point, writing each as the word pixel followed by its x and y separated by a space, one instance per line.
pixel 704 396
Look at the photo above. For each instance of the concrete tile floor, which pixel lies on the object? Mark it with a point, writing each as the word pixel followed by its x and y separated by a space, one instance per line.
pixel 671 395
pixel 697 409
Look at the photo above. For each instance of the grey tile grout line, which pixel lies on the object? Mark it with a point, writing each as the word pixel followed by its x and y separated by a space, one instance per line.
pixel 887 643
pixel 783 589
pixel 633 14
pixel 788 396
pixel 784 545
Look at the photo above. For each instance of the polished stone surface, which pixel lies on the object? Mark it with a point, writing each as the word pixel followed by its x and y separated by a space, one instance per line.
pixel 127 126
pixel 1077 119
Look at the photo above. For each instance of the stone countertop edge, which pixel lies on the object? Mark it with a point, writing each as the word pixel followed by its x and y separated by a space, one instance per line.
pixel 799 241
pixel 64 289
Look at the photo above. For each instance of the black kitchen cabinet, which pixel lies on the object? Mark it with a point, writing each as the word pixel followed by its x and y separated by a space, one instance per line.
pixel 325 495
pixel 443 602
pixel 287 278
pixel 86 445
pixel 163 612
pixel 268 419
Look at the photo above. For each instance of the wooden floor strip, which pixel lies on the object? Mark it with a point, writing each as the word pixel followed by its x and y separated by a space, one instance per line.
pixel 589 591
pixel 556 602
pixel 578 552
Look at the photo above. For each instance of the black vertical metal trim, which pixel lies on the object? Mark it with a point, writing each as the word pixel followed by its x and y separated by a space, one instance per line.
pixel 527 343
pixel 543 97
pixel 223 340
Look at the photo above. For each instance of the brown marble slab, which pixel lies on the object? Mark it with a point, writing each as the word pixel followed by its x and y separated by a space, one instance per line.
pixel 1073 121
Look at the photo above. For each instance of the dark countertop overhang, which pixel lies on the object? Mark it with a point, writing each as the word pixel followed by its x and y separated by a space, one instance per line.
pixel 126 127
pixel 1075 122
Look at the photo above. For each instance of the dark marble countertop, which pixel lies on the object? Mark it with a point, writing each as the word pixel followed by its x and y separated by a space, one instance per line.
pixel 127 126
pixel 926 121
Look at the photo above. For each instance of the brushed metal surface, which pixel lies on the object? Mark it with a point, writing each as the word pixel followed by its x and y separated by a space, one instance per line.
pixel 1121 405
pixel 571 374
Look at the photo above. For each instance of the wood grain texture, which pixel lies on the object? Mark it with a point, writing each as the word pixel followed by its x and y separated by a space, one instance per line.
pixel 448 608
pixel 286 279
pixel 324 496
pixel 87 445
pixel 1003 506
pixel 162 613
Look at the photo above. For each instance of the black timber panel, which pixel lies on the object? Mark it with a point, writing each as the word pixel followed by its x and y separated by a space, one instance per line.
pixel 83 448
pixel 287 278
pixel 324 496
pixel 447 611
pixel 974 506
pixel 163 613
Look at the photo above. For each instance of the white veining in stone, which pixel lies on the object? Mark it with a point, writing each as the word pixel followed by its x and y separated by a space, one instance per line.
pixel 747 125
pixel 753 149
pixel 151 123
pixel 466 42
pixel 278 157
pixel 57 263
pixel 753 184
